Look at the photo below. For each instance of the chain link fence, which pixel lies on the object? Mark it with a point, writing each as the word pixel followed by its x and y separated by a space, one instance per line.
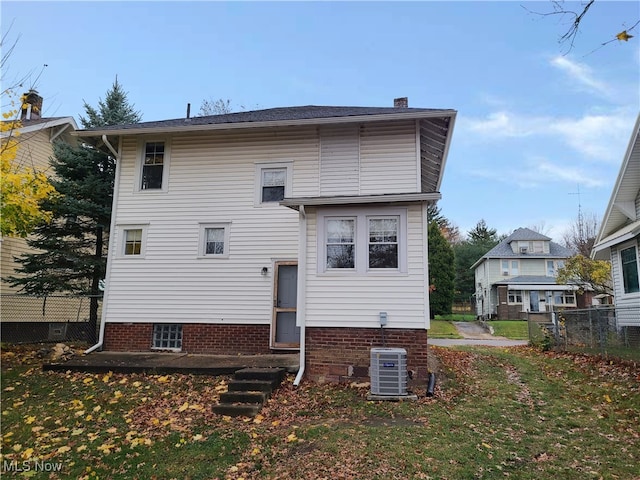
pixel 54 318
pixel 597 330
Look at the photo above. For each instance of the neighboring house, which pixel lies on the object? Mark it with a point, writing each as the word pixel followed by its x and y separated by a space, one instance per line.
pixel 518 276
pixel 619 237
pixel 35 149
pixel 273 230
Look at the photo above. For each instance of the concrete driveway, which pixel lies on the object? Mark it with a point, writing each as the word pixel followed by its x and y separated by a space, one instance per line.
pixel 474 333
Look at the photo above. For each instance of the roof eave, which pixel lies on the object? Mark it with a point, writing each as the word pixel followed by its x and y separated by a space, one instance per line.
pixel 605 231
pixel 46 124
pixel 272 123
pixel 295 203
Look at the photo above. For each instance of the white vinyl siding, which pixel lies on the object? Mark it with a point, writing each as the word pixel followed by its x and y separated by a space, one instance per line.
pixel 626 315
pixel 212 178
pixel 339 160
pixel 356 299
pixel 388 158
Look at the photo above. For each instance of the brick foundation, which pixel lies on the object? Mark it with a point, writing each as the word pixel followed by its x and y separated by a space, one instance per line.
pixel 196 338
pixel 343 354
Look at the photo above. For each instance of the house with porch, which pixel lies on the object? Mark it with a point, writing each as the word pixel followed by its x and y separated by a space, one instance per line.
pixel 618 239
pixel 284 229
pixel 517 277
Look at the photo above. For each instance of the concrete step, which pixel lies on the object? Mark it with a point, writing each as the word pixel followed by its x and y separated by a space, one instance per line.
pixel 266 386
pixel 274 374
pixel 243 397
pixel 237 409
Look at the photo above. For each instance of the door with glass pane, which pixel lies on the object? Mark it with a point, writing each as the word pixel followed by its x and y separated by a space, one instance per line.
pixel 284 332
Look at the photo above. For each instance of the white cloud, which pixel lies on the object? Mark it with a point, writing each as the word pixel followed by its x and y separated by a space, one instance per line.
pixel 599 137
pixel 582 75
pixel 539 172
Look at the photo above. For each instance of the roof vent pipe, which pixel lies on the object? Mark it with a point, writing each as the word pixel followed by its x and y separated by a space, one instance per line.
pixel 188 110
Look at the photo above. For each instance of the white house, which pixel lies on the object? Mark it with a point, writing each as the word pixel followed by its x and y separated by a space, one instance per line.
pixel 518 277
pixel 271 230
pixel 618 239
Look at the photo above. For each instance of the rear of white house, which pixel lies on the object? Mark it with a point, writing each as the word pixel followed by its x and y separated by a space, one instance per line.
pixel 280 229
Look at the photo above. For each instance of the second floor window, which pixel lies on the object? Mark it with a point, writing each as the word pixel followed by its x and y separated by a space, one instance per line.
pixel 152 166
pixel 510 268
pixel 273 184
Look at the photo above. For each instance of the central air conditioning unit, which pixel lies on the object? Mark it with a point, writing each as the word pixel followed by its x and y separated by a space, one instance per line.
pixel 388 371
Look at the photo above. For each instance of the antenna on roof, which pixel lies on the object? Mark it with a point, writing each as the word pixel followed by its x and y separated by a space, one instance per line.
pixel 580 218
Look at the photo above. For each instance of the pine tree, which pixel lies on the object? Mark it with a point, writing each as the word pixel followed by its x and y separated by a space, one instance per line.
pixel 441 272
pixel 115 110
pixel 71 246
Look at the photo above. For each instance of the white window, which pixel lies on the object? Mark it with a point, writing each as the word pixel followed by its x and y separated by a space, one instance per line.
pixel 629 267
pixel 340 242
pixel 564 298
pixel 515 296
pixel 273 181
pixel 510 267
pixel 167 336
pixel 356 240
pixel 133 240
pixel 383 242
pixel 553 266
pixel 214 240
pixel 153 165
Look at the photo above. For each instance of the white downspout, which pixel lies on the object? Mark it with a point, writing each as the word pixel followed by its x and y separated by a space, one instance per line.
pixel 302 292
pixel 111 243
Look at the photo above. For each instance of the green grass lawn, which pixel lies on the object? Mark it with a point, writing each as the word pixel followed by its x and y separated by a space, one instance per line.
pixel 497 412
pixel 513 329
pixel 443 329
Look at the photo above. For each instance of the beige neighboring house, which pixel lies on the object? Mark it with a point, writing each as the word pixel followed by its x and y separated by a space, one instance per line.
pixel 35 148
pixel 619 237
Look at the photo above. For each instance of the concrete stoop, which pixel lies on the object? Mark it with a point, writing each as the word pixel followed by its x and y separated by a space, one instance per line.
pixel 248 391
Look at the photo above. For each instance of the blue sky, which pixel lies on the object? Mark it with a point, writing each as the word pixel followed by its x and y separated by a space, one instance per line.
pixel 535 122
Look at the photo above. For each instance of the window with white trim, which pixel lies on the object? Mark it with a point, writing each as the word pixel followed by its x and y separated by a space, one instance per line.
pixel 510 267
pixel 515 296
pixel 153 166
pixel 567 297
pixel 214 240
pixel 360 241
pixel 167 336
pixel 383 242
pixel 133 241
pixel 629 267
pixel 340 242
pixel 273 181
pixel 553 266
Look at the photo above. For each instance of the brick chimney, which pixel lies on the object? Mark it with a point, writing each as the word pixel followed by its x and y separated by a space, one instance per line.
pixel 32 106
pixel 402 102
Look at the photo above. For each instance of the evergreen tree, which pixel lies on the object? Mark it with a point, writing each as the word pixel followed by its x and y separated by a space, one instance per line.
pixel 481 234
pixel 71 246
pixel 441 272
pixel 480 240
pixel 115 110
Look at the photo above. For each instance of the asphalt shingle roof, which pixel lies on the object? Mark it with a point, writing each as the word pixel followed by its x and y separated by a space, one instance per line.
pixel 272 114
pixel 503 249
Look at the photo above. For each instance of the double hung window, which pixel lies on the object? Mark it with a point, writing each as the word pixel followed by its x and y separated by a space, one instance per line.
pixel 629 265
pixel 361 243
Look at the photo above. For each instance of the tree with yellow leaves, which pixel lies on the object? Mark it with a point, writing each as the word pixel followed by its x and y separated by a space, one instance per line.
pixel 22 188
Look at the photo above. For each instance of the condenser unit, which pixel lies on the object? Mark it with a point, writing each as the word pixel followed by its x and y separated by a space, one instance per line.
pixel 388 371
